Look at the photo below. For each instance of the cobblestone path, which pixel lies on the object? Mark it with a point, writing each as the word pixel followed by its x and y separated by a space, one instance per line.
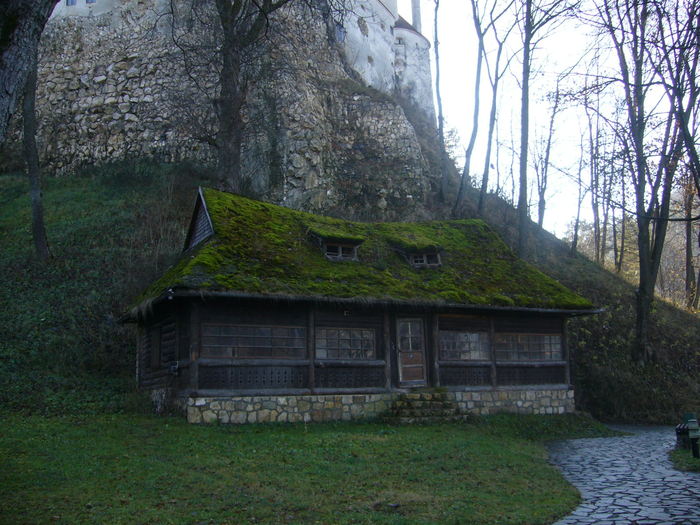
pixel 628 480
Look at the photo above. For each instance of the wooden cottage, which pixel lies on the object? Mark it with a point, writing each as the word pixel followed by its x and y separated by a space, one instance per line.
pixel 274 314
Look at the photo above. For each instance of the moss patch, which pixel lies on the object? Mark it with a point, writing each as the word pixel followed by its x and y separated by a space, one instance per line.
pixel 265 249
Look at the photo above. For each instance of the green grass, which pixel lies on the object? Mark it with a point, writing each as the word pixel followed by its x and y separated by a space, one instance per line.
pixel 683 459
pixel 141 469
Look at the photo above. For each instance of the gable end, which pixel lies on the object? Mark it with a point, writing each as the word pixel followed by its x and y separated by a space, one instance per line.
pixel 201 227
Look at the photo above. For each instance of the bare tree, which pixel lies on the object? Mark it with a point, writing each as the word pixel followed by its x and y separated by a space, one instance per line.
pixel 579 200
pixel 21 25
pixel 537 17
pixel 651 141
pixel 496 68
pixel 541 160
pixel 223 40
pixel 243 24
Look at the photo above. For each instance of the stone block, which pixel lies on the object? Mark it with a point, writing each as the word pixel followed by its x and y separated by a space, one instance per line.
pixel 238 418
pixel 193 415
pixel 200 401
pixel 209 416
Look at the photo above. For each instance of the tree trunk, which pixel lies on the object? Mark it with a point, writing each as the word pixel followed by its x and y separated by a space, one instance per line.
pixel 524 131
pixel 231 99
pixel 489 144
pixel 31 157
pixel 579 201
pixel 690 284
pixel 21 25
pixel 444 174
pixel 475 117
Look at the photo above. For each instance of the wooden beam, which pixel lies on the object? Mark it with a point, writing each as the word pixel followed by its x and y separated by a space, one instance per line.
pixel 195 342
pixel 565 349
pixel 386 336
pixel 311 346
pixel 435 338
pixel 492 351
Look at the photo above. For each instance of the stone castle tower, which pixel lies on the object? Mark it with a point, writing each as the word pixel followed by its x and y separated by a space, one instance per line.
pixel 334 122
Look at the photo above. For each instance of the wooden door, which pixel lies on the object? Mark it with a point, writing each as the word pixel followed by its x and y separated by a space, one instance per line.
pixel 410 345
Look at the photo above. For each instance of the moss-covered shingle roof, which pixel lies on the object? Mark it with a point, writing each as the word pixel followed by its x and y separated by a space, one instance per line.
pixel 264 249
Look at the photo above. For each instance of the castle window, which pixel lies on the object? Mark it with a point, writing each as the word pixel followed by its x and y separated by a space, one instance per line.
pixel 90 1
pixel 339 32
pixel 70 2
pixel 425 260
pixel 340 252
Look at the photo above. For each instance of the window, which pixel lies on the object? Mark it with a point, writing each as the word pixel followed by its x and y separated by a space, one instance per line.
pixel 341 252
pixel 90 1
pixel 252 341
pixel 340 32
pixel 345 343
pixel 70 2
pixel 464 346
pixel 528 347
pixel 161 343
pixel 425 260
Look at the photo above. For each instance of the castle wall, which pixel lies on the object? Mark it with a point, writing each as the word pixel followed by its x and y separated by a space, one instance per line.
pixel 413 78
pixel 369 42
pixel 115 86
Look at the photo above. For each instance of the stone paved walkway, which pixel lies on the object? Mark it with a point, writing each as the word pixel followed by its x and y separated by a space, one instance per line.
pixel 628 480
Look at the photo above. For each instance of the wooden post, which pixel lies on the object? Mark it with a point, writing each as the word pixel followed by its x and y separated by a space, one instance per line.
pixel 492 350
pixel 565 351
pixel 195 343
pixel 311 347
pixel 435 329
pixel 387 349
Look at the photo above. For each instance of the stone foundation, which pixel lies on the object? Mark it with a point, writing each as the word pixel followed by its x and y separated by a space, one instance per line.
pixel 346 407
pixel 552 401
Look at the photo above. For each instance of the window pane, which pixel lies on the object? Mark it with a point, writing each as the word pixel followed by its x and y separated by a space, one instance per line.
pixel 345 343
pixel 253 341
pixel 464 346
pixel 528 347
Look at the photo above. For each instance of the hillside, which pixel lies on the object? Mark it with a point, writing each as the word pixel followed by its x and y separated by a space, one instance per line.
pixel 112 230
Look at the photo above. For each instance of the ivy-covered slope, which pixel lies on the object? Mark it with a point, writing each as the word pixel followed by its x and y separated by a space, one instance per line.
pixel 261 248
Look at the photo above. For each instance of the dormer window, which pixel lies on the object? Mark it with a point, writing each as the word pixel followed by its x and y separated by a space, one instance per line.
pixel 340 252
pixel 425 260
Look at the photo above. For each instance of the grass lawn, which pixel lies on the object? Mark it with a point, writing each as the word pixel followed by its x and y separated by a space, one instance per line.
pixel 683 459
pixel 142 469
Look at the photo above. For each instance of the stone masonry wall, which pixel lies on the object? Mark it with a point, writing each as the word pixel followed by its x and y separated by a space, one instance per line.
pixel 116 86
pixel 550 401
pixel 346 407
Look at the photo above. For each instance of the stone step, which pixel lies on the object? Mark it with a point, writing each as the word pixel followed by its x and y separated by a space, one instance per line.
pixel 424 396
pixel 445 412
pixel 423 404
pixel 401 420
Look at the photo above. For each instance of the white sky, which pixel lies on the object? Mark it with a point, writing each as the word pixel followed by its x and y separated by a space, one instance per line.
pixel 458 59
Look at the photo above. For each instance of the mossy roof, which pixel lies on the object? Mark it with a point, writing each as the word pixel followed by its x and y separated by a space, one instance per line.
pixel 262 249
